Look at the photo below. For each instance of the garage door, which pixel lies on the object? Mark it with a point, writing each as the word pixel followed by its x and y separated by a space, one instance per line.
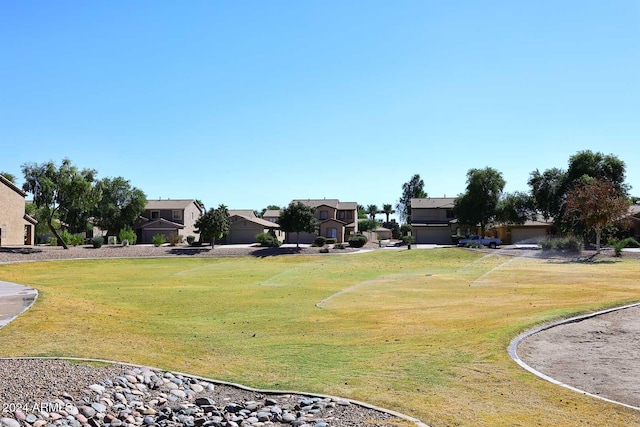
pixel 441 236
pixel 243 235
pixel 527 235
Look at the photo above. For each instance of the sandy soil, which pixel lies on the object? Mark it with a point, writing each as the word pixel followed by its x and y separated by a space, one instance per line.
pixel 599 355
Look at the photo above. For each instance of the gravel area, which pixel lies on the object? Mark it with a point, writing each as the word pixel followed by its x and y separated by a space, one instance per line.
pixel 43 393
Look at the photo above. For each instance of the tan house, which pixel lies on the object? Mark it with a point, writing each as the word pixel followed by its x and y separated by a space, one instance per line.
pixel 529 232
pixel 338 220
pixel 634 221
pixel 168 217
pixel 433 220
pixel 244 226
pixel 16 227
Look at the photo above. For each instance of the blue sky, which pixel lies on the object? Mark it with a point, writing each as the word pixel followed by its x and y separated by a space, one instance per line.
pixel 250 103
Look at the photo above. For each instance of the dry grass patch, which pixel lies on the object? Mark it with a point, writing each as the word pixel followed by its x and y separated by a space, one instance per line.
pixel 422 332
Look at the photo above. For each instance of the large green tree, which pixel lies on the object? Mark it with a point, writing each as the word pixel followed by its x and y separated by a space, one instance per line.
pixel 213 225
pixel 63 192
pixel 515 208
pixel 297 218
pixel 119 206
pixel 478 205
pixel 413 189
pixel 597 204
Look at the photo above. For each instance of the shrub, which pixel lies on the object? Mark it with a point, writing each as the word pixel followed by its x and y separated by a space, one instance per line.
pixel 267 240
pixel 338 246
pixel 127 234
pixel 562 244
pixel 474 245
pixel 358 241
pixel 324 250
pixel 71 239
pixel 367 224
pixel 97 241
pixel 52 241
pixel 629 242
pixel 191 239
pixel 175 239
pixel 408 239
pixel 320 241
pixel 404 229
pixel 158 240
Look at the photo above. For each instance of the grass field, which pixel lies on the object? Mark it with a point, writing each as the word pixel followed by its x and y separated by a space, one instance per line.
pixel 422 332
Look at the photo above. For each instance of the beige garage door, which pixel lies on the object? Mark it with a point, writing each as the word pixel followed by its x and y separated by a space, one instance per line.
pixel 441 236
pixel 527 235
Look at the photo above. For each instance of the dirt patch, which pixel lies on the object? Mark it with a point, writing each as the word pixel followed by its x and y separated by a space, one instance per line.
pixel 598 355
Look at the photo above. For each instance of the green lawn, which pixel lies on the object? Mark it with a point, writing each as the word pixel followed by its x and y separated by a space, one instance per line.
pixel 422 332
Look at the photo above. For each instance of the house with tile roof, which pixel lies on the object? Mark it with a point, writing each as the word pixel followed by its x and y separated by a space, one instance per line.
pixel 16 227
pixel 338 220
pixel 433 220
pixel 244 226
pixel 168 217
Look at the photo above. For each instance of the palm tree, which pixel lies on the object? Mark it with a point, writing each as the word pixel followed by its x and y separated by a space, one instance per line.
pixel 387 209
pixel 372 210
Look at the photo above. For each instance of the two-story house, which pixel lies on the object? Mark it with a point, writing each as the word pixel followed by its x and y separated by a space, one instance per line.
pixel 168 217
pixel 433 220
pixel 16 227
pixel 338 220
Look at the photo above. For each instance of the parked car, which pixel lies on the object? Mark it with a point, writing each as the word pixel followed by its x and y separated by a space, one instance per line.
pixel 492 242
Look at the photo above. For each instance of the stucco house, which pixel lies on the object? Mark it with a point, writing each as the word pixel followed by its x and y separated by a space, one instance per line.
pixel 433 220
pixel 16 227
pixel 244 226
pixel 338 220
pixel 529 232
pixel 634 221
pixel 168 217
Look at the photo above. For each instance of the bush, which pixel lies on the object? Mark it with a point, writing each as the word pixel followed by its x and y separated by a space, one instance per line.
pixel 191 239
pixel 358 241
pixel 367 224
pixel 97 241
pixel 562 244
pixel 71 239
pixel 175 239
pixel 338 246
pixel 320 241
pixel 52 241
pixel 629 242
pixel 408 239
pixel 404 229
pixel 158 240
pixel 127 234
pixel 474 245
pixel 267 240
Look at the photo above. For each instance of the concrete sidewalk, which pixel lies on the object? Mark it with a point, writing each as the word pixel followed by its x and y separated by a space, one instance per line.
pixel 14 300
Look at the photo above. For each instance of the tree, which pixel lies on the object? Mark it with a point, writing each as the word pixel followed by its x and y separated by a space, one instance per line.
pixel 546 190
pixel 598 166
pixel 213 225
pixel 298 217
pixel 268 208
pixel 119 206
pixel 387 209
pixel 362 212
pixel 414 189
pixel 367 225
pixel 372 210
pixel 597 204
pixel 11 177
pixel 479 204
pixel 515 208
pixel 61 192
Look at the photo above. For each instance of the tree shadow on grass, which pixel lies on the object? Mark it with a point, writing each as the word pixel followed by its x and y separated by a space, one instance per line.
pixel 21 250
pixel 266 252
pixel 191 251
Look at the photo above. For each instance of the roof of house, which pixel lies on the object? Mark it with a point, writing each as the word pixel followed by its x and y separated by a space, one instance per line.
pixel 255 220
pixel 12 186
pixel 161 223
pixel 30 219
pixel 271 213
pixel 333 203
pixel 170 204
pixel 247 213
pixel 433 203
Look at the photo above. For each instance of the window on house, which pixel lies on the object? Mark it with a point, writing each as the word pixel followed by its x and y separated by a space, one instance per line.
pixel 341 215
pixel 155 214
pixel 324 215
pixel 450 213
pixel 349 215
pixel 332 233
pixel 176 215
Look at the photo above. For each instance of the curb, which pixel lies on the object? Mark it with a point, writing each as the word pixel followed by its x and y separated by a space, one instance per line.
pixel 513 347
